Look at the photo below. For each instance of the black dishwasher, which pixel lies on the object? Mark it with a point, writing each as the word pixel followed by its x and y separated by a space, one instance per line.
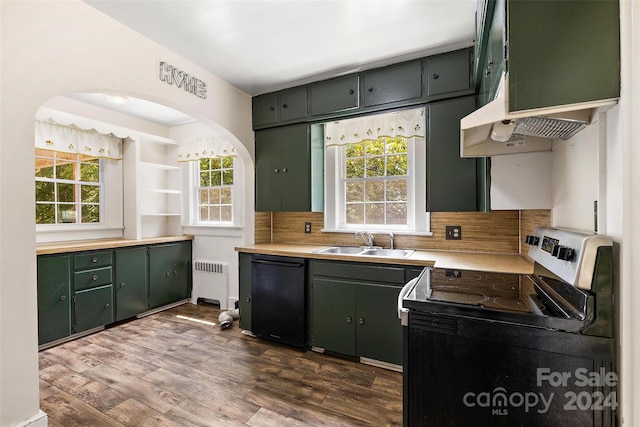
pixel 278 299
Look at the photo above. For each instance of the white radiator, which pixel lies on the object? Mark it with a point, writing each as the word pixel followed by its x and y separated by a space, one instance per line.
pixel 211 282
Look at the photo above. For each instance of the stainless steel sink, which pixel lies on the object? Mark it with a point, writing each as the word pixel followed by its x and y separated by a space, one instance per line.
pixel 388 253
pixel 365 251
pixel 341 250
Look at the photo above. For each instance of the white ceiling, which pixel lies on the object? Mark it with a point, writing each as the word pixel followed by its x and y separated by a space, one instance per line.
pixel 263 45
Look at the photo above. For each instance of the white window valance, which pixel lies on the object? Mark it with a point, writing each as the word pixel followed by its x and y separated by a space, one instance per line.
pixel 406 123
pixel 205 148
pixel 73 140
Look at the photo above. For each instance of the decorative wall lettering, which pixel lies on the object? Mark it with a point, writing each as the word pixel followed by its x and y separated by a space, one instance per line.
pixel 175 76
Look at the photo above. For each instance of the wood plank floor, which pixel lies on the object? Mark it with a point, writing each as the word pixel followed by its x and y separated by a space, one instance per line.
pixel 175 368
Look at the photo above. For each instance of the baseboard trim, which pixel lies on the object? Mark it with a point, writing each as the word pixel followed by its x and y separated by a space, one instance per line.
pixel 381 364
pixel 38 420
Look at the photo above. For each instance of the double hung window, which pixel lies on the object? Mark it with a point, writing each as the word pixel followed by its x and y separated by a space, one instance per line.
pixel 375 176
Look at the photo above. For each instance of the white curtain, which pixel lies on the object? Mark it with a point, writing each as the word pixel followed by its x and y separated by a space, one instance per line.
pixel 205 148
pixel 406 123
pixel 71 139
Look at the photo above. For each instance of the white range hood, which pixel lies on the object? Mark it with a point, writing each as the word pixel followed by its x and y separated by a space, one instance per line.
pixel 492 130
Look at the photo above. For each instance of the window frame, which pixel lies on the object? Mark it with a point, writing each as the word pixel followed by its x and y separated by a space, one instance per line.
pixel 418 219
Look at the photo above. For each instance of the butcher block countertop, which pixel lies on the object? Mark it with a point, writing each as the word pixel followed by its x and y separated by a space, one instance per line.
pixel 89 245
pixel 500 263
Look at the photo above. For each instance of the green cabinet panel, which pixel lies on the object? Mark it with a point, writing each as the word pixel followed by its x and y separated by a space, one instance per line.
pixel 54 298
pixel 277 107
pixel 265 109
pixel 492 51
pixel 93 308
pixel 562 52
pixel 448 74
pixel 244 303
pixel 283 169
pixel 379 332
pixel 91 278
pixel 453 183
pixel 292 104
pixel 334 310
pixel 400 82
pixel 335 95
pixel 360 271
pixel 169 273
pixel 131 279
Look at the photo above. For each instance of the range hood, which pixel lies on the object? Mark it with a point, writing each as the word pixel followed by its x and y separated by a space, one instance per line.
pixel 492 130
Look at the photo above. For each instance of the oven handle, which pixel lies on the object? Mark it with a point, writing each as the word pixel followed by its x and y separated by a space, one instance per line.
pixel 403 313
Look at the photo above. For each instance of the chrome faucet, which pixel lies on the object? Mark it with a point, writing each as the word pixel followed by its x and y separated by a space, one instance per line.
pixel 367 237
pixel 391 239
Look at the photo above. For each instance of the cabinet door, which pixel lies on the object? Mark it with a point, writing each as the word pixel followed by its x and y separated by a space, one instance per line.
pixel 292 103
pixel 131 282
pixel 451 180
pixel 93 308
pixel 448 74
pixel 334 95
pixel 378 329
pixel 244 303
pixel 54 298
pixel 333 308
pixel 283 171
pixel 296 169
pixel 169 273
pixel 392 84
pixel 265 109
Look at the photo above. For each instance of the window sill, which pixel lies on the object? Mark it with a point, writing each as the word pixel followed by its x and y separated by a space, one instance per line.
pixel 214 230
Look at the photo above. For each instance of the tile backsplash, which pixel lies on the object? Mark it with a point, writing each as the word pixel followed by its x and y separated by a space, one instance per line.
pixel 497 231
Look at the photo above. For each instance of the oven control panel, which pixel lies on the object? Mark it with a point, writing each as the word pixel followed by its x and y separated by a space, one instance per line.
pixel 566 253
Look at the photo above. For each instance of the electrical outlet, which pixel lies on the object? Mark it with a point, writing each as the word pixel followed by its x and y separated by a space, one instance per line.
pixel 453 273
pixel 453 232
pixel 307 227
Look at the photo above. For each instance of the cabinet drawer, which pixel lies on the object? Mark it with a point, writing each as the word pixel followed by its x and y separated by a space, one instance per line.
pixel 392 84
pixel 93 259
pixel 360 272
pixel 92 278
pixel 447 73
pixel 334 95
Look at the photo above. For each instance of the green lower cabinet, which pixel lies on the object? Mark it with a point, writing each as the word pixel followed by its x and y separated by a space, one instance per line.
pixel 379 333
pixel 244 302
pixel 334 311
pixel 131 282
pixel 356 319
pixel 93 308
pixel 169 273
pixel 54 298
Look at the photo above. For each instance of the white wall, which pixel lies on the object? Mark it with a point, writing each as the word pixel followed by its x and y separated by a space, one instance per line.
pixel 51 48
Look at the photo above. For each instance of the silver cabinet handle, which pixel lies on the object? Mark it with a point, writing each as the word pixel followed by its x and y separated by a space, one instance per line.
pixel 361 321
pixel 284 170
pixel 122 285
pixel 168 273
pixel 349 319
pixel 63 297
pixel 94 260
pixel 247 299
pixel 95 277
pixel 107 305
pixel 276 170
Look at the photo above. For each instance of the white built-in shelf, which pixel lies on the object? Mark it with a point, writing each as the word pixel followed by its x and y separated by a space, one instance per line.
pixel 161 190
pixel 160 166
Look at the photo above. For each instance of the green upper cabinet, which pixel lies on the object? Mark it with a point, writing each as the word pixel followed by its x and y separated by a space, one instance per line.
pixel 454 184
pixel 54 298
pixel 169 273
pixel 555 52
pixel 283 169
pixel 131 282
pixel 392 84
pixel 283 106
pixel 448 74
pixel 334 96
